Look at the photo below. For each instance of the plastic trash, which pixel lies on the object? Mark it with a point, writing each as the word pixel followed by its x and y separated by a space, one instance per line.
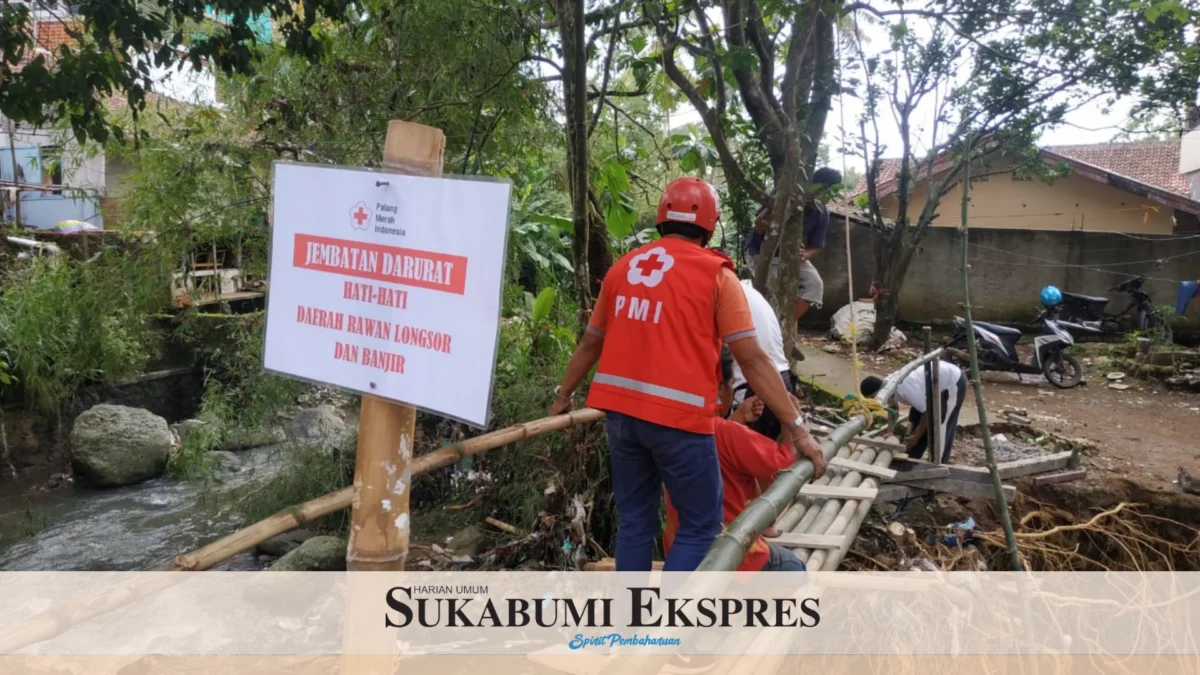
pixel 967 525
pixel 923 565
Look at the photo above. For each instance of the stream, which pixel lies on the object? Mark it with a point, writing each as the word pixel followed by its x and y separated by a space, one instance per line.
pixel 129 528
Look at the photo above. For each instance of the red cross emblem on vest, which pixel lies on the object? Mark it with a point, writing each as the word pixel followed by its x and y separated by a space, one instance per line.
pixel 649 267
pixel 360 215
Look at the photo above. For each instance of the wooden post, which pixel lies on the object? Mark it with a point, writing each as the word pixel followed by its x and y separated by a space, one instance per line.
pixel 379 520
pixel 12 148
pixel 935 411
pixel 933 407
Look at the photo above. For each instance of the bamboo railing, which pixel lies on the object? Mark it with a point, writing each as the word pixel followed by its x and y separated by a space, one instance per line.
pixel 289 519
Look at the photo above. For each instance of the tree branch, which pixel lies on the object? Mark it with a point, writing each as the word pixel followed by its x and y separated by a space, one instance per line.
pixel 617 93
pixel 756 30
pixel 608 59
pixel 714 60
pixel 728 162
pixel 757 96
pixel 413 113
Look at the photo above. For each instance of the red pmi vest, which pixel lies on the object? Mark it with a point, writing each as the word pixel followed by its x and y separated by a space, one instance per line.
pixel 661 351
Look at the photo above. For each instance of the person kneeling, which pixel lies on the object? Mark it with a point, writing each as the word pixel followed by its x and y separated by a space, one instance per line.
pixel 746 458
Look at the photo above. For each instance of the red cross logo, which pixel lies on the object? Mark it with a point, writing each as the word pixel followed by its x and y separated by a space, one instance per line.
pixel 359 215
pixel 646 266
pixel 649 267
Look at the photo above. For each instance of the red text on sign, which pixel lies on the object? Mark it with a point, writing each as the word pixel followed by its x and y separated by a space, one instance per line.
pixel 391 264
pixel 371 358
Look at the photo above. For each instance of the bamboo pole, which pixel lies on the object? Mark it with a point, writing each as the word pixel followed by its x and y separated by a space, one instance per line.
pixel 933 409
pixel 973 352
pixel 55 620
pixel 814 505
pixel 289 519
pixel 934 426
pixel 822 517
pixel 379 518
pixel 730 546
pixel 846 522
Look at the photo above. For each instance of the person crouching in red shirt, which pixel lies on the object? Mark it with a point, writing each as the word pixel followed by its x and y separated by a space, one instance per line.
pixel 746 459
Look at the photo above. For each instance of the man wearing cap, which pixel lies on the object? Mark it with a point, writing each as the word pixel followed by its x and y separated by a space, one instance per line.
pixel 656 332
pixel 816 225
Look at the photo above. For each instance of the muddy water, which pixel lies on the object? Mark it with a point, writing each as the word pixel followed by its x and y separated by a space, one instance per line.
pixel 130 528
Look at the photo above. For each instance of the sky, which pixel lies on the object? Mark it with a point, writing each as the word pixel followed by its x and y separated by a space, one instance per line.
pixel 1093 123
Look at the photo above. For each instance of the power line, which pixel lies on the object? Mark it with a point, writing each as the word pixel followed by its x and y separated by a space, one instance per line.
pixel 1047 263
pixel 1118 264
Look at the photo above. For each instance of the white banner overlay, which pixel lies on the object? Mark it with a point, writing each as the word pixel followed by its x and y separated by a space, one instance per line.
pixel 515 613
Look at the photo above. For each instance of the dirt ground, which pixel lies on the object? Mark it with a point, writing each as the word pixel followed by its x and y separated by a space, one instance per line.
pixel 1144 434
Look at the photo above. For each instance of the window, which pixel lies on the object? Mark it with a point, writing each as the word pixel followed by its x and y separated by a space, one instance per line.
pixel 51 159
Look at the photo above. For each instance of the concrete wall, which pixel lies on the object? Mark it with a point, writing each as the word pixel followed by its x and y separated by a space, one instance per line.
pixel 1008 269
pixel 1071 203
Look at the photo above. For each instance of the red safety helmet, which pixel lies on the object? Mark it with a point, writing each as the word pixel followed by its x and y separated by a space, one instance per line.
pixel 689 200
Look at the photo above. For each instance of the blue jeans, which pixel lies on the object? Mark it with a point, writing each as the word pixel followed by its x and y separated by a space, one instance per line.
pixel 644 457
pixel 780 559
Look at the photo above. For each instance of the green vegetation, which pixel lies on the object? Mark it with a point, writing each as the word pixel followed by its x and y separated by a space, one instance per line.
pixel 65 323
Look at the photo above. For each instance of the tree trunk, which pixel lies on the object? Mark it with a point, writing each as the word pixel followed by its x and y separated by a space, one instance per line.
pixel 571 25
pixel 892 259
pixel 599 257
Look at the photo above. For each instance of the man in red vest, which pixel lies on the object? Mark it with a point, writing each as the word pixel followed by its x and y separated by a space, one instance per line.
pixel 748 460
pixel 657 328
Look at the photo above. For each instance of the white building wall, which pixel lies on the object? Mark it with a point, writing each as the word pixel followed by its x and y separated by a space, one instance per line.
pixel 1189 160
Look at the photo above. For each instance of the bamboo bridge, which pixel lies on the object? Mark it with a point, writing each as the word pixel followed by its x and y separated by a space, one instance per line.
pixel 819 519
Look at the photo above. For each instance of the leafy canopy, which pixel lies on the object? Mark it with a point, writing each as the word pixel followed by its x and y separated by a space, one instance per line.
pixel 117 43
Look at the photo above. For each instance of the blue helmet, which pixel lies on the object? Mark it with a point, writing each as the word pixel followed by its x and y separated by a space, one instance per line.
pixel 1051 296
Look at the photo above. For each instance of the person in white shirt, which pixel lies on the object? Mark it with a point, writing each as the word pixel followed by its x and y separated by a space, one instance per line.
pixel 913 391
pixel 770 338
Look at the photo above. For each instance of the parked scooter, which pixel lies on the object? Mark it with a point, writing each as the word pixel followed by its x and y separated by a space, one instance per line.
pixel 1141 314
pixel 997 347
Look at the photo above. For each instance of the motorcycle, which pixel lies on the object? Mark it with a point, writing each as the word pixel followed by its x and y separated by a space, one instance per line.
pixel 1090 312
pixel 997 347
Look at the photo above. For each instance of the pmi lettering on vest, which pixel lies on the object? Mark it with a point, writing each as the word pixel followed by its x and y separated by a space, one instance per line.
pixel 638 309
pixel 379 262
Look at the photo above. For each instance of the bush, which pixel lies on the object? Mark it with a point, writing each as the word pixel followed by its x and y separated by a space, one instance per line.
pixel 64 323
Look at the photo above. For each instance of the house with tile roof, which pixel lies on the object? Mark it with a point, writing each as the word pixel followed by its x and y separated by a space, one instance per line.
pixel 1133 188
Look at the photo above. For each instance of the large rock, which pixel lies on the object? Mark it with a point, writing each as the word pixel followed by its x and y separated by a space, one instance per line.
pixel 245 439
pixel 185 428
pixel 469 541
pixel 316 426
pixel 282 544
pixel 319 554
pixel 112 445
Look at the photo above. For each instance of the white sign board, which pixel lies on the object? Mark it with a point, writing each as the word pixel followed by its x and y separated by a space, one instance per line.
pixel 388 285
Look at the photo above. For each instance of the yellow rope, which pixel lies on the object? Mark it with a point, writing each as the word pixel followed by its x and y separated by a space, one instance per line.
pixel 854 404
